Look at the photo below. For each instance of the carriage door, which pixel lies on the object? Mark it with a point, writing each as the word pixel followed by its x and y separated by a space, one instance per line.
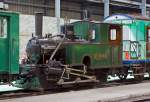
pixel 9 43
pixel 115 38
pixel 148 43
pixel 4 50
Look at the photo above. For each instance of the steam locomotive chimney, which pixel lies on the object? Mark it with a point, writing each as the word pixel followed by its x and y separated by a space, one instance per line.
pixel 38 24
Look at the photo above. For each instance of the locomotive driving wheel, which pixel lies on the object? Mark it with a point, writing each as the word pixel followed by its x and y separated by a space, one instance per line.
pixel 102 76
pixel 123 74
pixel 138 72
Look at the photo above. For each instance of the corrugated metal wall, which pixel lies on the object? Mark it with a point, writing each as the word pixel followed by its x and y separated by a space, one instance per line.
pixel 26 6
pixel 69 8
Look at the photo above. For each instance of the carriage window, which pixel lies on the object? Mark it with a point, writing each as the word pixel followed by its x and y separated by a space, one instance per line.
pixel 113 34
pixel 148 35
pixel 126 32
pixel 3 27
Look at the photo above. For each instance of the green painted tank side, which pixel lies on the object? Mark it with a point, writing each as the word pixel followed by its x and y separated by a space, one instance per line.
pixel 9 46
pixel 101 55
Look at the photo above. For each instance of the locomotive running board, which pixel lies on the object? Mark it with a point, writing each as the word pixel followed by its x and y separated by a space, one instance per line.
pixel 61 81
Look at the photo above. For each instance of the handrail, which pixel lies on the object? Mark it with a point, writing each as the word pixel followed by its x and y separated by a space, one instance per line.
pixel 58 46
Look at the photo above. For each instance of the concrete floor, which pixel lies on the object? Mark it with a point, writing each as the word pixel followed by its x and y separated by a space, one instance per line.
pixel 4 88
pixel 92 95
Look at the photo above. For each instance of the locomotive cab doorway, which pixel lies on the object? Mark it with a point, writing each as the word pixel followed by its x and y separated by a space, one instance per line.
pixel 115 36
pixel 115 40
pixel 148 42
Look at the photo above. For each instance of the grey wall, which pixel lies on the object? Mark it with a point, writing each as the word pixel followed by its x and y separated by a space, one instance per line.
pixel 27 27
pixel 70 8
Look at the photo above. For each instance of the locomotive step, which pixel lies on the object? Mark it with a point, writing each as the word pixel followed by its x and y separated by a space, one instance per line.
pixel 138 67
pixel 139 74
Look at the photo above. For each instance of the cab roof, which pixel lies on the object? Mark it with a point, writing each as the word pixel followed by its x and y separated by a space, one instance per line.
pixel 126 17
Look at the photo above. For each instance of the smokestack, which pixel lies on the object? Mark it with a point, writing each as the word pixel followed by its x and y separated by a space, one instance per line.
pixel 38 24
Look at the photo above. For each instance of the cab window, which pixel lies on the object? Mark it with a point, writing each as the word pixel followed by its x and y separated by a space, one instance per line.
pixel 113 34
pixel 93 34
pixel 148 36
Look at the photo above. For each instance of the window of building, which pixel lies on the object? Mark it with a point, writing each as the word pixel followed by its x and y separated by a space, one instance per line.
pixel 3 27
pixel 113 34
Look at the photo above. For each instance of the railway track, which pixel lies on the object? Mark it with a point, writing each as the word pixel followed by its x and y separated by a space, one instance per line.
pixel 27 93
pixel 144 98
